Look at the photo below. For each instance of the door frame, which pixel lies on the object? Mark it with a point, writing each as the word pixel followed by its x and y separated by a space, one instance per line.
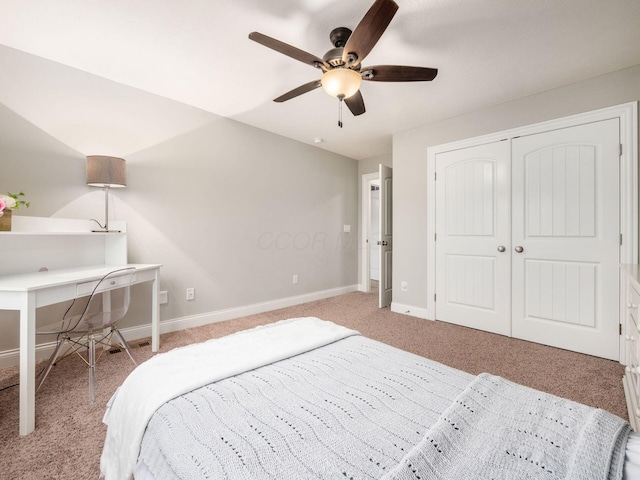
pixel 628 116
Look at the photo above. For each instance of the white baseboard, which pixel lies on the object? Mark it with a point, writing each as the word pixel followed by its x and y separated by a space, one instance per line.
pixel 410 310
pixel 11 357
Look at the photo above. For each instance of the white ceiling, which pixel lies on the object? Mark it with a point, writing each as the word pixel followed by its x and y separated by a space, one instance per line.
pixel 197 52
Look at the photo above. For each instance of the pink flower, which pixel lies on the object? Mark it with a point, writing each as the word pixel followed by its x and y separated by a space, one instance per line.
pixel 2 206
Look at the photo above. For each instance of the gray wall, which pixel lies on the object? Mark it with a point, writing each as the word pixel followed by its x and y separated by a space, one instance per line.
pixel 228 209
pixel 410 161
pixel 371 165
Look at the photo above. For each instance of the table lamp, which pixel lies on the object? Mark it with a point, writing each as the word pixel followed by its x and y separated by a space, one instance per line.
pixel 106 172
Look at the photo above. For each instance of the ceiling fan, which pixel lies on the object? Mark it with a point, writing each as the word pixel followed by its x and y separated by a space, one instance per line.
pixel 341 66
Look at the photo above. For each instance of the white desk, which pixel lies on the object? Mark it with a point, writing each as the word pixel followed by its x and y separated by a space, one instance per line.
pixel 26 292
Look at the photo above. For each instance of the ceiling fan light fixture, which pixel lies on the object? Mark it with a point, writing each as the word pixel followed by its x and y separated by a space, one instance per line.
pixel 341 82
pixel 341 65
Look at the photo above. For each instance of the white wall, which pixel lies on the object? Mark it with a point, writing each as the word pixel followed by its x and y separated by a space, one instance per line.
pixel 228 209
pixel 410 163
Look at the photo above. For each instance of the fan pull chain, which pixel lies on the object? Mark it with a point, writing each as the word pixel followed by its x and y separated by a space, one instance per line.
pixel 340 98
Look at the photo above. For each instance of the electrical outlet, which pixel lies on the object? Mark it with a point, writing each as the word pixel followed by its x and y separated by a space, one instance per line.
pixel 164 297
pixel 404 286
pixel 295 279
pixel 191 293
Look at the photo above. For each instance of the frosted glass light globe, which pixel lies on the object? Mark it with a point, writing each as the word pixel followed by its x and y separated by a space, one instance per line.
pixel 341 82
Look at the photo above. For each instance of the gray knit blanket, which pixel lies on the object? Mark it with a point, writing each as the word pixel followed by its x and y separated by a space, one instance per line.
pixel 350 409
pixel 496 429
pixel 360 409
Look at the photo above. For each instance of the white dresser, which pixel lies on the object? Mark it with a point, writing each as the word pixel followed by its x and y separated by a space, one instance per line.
pixel 630 318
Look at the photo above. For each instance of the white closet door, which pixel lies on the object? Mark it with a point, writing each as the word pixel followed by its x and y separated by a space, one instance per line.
pixel 472 237
pixel 565 238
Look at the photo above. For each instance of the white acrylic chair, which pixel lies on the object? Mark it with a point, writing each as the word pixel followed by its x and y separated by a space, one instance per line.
pixel 90 321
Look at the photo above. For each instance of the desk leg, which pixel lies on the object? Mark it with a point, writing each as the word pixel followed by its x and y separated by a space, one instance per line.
pixel 155 316
pixel 28 364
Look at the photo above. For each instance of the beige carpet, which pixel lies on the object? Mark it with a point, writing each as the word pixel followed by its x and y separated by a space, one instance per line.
pixel 69 434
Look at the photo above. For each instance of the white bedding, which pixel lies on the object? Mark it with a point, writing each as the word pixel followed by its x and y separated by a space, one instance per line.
pixel 631 459
pixel 182 370
pixel 351 409
pixel 497 429
pixel 231 356
pixel 631 462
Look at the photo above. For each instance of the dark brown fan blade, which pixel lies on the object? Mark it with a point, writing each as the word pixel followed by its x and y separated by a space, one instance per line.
pixel 307 87
pixel 355 103
pixel 288 50
pixel 398 73
pixel 369 31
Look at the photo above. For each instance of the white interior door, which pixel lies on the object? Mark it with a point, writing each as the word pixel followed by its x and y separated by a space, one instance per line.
pixel 565 238
pixel 473 280
pixel 386 240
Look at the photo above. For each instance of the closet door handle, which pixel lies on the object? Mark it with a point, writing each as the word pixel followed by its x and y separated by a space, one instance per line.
pixel 501 248
pixel 519 249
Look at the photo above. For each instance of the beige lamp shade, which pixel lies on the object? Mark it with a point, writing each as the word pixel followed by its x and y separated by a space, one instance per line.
pixel 341 82
pixel 103 171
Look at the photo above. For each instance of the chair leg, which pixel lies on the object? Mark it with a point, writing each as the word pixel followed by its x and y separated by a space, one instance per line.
pixel 52 360
pixel 92 368
pixel 124 344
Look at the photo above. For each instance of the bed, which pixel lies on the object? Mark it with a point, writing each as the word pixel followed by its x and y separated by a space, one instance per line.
pixel 305 398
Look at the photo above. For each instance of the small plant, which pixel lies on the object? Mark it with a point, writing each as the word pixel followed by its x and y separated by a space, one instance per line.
pixel 12 201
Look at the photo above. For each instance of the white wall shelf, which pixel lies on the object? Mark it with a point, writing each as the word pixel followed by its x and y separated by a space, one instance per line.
pixel 49 242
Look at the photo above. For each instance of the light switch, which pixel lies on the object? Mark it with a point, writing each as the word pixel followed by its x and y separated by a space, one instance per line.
pixel 347 228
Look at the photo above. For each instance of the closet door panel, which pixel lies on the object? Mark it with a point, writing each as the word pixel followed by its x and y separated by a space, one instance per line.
pixel 472 221
pixel 565 237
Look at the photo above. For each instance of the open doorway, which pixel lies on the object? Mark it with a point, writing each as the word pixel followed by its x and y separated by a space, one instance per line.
pixel 369 180
pixel 374 235
pixel 377 245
